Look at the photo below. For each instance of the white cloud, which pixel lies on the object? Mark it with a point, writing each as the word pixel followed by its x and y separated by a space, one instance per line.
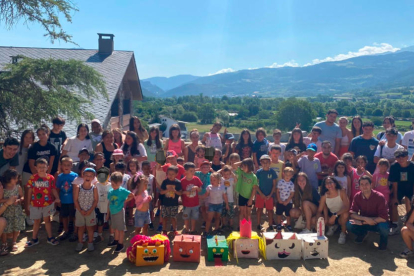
pixel 378 48
pixel 291 63
pixel 222 71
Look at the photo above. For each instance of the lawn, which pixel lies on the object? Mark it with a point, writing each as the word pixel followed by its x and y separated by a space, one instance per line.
pixel 206 128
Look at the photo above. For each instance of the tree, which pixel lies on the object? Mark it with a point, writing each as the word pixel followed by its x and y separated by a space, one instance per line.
pixel 35 90
pixel 43 12
pixel 206 113
pixel 406 114
pixel 377 112
pixel 294 111
pixel 189 117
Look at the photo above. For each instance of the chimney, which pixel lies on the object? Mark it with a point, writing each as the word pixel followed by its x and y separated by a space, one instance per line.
pixel 106 43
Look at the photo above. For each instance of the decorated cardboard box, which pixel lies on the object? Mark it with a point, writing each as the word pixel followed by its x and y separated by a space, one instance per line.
pixel 217 248
pixel 148 251
pixel 315 246
pixel 150 255
pixel 187 248
pixel 281 246
pixel 243 247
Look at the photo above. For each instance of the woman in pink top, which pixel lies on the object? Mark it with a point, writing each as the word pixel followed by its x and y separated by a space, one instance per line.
pixel 361 162
pixel 174 141
pixel 142 201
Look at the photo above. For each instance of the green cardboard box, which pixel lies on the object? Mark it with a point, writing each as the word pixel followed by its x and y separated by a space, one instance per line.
pixel 217 248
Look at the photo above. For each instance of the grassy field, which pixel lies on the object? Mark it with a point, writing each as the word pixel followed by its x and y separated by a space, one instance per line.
pixel 205 128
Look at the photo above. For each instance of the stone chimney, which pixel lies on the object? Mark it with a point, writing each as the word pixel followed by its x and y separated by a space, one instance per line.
pixel 106 43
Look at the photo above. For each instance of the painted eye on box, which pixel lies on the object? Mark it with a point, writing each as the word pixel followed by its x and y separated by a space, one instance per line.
pixel 180 250
pixel 311 244
pixel 154 251
pixel 214 250
pixel 293 246
pixel 251 246
pixel 276 245
pixel 318 243
pixel 191 251
pixel 221 250
pixel 146 251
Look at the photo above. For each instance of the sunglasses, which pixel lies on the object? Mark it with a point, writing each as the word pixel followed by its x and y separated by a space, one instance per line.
pixel 402 155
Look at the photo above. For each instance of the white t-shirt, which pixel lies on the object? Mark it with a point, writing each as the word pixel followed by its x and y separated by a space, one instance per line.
pixel 228 185
pixel 141 149
pixel 216 194
pixel 282 146
pixel 150 185
pixel 285 189
pixel 387 153
pixel 408 141
pixel 343 180
pixel 103 196
pixel 74 145
pixel 308 140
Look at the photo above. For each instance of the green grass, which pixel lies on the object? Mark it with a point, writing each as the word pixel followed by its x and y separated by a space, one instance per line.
pixel 206 128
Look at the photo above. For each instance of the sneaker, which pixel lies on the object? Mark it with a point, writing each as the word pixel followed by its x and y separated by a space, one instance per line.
pixel 342 238
pixel 111 241
pixel 159 229
pixel 406 253
pixel 382 247
pixel 288 228
pixel 73 237
pixel 203 226
pixel 119 247
pixel 259 228
pixel 91 247
pixel 79 247
pixel 98 239
pixel 306 231
pixel 404 218
pixel 157 214
pixel 394 230
pixel 300 223
pixel 331 230
pixel 60 229
pixel 151 226
pixel 360 239
pixel 29 221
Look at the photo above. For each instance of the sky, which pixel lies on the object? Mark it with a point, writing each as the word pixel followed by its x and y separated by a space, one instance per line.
pixel 208 37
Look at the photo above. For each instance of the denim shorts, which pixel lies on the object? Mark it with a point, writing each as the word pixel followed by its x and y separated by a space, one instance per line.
pixel 217 208
pixel 191 213
pixel 142 218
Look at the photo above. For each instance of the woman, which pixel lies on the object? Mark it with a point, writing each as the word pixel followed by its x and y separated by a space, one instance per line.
pixel 26 140
pixel 118 137
pixel 107 146
pixel 244 146
pixel 407 233
pixel 356 126
pixel 306 201
pixel 190 150
pixel 387 123
pixel 10 201
pixel 295 142
pixel 335 206
pixel 346 136
pixel 73 145
pixel 136 126
pixel 153 145
pixel 133 148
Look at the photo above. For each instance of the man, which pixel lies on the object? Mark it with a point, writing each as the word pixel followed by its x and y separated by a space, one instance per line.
pixel 388 149
pixel 369 212
pixel 402 181
pixel 366 145
pixel 331 131
pixel 96 133
pixel 408 142
pixel 327 159
pixel 8 157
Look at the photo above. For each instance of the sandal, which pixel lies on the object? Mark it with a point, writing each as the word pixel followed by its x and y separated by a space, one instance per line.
pixel 52 241
pixel 3 250
pixel 15 247
pixel 31 243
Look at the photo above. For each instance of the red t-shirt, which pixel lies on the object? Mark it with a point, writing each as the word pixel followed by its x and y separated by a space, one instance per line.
pixel 374 206
pixel 41 190
pixel 181 171
pixel 192 199
pixel 326 163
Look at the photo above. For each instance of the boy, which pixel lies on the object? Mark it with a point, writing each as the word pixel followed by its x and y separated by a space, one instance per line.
pixel 121 167
pixel 180 161
pixel 57 137
pixel 260 147
pixel 228 180
pixel 65 189
pixel 171 189
pixel 314 138
pixel 41 187
pixel 172 160
pixel 267 186
pixel 151 188
pixel 277 135
pixel 103 185
pixel 96 133
pixel 327 159
pixel 310 165
pixel 277 164
pixel 190 185
pixel 387 151
pixel 284 193
pixel 204 175
pixel 117 197
pixel 83 155
pixel 98 160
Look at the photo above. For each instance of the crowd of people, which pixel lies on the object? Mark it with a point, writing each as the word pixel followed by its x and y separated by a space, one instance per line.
pixel 350 177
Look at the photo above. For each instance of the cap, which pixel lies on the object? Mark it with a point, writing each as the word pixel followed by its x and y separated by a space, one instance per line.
pixel 84 149
pixel 89 170
pixel 229 136
pixel 312 147
pixel 95 121
pixel 400 153
pixel 265 157
pixel 205 162
pixel 118 152
pixel 171 153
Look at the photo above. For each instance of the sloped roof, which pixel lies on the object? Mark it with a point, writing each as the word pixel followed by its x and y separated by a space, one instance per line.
pixel 112 67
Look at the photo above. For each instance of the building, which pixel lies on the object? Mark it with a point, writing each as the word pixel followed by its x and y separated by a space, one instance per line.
pixel 118 69
pixel 169 122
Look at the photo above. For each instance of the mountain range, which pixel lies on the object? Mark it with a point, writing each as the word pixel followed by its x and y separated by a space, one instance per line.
pixel 384 71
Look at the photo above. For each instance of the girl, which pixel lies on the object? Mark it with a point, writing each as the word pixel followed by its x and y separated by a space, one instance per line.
pixel 73 145
pixel 335 206
pixel 245 145
pixel 133 148
pixel 341 175
pixel 153 145
pixel 387 123
pixel 296 141
pixel 346 136
pixel 380 179
pixel 151 188
pixel 14 213
pixel 407 233
pixel 356 126
pixel 361 162
pixel 117 156
pixel 306 202
pixel 174 141
pixel 348 160
pixel 142 201
pixel 118 137
pixel 216 163
pixel 213 138
pixel 234 158
pixel 200 156
pixel 136 126
pixel 190 150
pixel 107 146
pixel 133 170
pixel 26 140
pixel 246 186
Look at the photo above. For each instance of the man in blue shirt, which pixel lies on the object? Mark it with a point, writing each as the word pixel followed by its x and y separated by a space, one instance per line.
pixel 331 131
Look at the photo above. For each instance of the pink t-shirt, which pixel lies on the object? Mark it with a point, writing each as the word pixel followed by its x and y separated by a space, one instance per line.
pixel 141 199
pixel 381 184
pixel 355 183
pixel 175 146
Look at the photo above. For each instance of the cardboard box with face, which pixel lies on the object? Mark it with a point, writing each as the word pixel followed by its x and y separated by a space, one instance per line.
pixel 150 255
pixel 244 248
pixel 285 246
pixel 187 248
pixel 315 246
pixel 217 248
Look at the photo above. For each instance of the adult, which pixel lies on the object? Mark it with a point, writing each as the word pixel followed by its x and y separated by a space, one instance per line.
pixel 26 140
pixel 96 134
pixel 402 181
pixel 136 126
pixel 365 145
pixel 3 223
pixel 331 131
pixel 407 233
pixel 244 146
pixel 107 146
pixel 356 126
pixel 327 160
pixel 119 137
pixel 57 137
pixel 389 147
pixel 369 212
pixel 334 205
pixel 190 150
pixel 153 145
pixel 8 155
pixel 75 144
pixel 387 123
pixel 306 202
pixel 346 136
pixel 408 142
pixel 132 148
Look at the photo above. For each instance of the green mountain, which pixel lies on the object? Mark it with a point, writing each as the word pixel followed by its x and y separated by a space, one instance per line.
pixel 171 82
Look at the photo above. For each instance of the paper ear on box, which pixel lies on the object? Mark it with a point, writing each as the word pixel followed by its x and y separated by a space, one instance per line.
pixel 315 246
pixel 217 248
pixel 187 248
pixel 289 247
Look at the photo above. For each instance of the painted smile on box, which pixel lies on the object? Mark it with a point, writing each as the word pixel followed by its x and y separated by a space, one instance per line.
pixel 283 254
pixel 150 255
pixel 245 252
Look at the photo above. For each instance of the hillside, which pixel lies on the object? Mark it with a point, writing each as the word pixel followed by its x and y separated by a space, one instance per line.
pixel 171 82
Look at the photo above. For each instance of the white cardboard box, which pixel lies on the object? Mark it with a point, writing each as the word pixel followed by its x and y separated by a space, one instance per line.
pixel 282 249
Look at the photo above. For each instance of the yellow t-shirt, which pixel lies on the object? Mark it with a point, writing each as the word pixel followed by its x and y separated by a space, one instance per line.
pixel 278 168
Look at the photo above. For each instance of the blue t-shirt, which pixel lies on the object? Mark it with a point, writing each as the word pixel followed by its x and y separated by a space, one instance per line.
pixel 265 179
pixel 310 167
pixel 64 183
pixel 260 148
pixel 117 199
pixel 329 133
pixel 360 146
pixel 205 179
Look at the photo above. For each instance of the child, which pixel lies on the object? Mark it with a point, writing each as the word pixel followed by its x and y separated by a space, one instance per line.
pixel 200 156
pixel 180 161
pixel 277 164
pixel 213 138
pixel 83 156
pixel 41 187
pixel 85 197
pixel 174 142
pixel 216 196
pixel 142 201
pixel 244 146
pixel 57 137
pixel 117 197
pixel 314 138
pixel 347 158
pixel 171 189
pixel 153 145
pixel 260 147
pixel 228 180
pixel 361 162
pixel 246 186
pixel 117 156
pixel 96 133
pixel 267 187
pixel 14 213
pixel 191 150
pixel 234 158
pixel 277 135
pixel 380 183
pixel 151 188
pixel 311 165
pixel 341 174
pixel 103 185
pixel 121 167
pixel 190 185
pixel 285 192
pixel 216 164
pixel 296 141
pixel 204 175
pixel 65 189
pixel 98 160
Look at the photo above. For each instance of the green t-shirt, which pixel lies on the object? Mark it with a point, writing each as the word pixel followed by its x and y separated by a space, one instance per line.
pixel 151 150
pixel 245 183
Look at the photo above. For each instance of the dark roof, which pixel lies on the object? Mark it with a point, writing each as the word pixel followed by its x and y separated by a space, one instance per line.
pixel 113 68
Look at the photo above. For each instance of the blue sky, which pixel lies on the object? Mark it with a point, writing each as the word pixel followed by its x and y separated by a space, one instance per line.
pixel 204 37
